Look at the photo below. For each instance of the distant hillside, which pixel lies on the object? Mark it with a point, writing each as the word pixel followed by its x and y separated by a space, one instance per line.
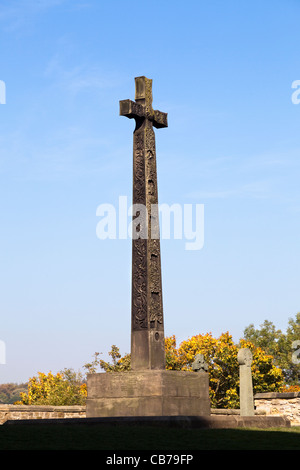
pixel 10 393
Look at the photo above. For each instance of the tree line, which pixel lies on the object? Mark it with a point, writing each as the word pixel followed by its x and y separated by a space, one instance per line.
pixel 11 392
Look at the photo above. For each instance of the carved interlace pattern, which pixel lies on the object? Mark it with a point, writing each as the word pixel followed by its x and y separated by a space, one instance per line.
pixel 147 310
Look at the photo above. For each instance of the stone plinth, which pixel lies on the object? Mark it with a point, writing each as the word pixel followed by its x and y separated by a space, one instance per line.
pixel 148 393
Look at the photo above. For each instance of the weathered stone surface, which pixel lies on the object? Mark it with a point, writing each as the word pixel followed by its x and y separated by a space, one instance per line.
pixel 280 404
pixel 148 393
pixel 199 363
pixel 188 422
pixel 147 323
pixel 246 387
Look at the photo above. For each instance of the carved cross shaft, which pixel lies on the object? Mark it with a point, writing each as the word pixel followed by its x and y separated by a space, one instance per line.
pixel 147 326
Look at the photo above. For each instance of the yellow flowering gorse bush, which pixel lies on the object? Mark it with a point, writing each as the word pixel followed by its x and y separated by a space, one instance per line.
pixel 60 389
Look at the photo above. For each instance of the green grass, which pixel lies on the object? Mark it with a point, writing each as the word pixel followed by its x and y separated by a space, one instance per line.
pixel 104 437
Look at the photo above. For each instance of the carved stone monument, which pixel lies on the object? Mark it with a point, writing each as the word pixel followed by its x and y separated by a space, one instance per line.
pixel 147 324
pixel 246 387
pixel 148 389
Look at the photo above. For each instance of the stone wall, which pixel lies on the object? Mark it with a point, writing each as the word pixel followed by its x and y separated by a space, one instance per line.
pixel 269 404
pixel 40 412
pixel 287 404
pixel 12 412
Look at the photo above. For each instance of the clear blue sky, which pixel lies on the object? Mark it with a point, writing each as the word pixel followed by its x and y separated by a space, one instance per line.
pixel 223 72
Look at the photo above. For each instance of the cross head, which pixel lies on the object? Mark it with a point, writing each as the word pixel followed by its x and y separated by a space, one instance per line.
pixel 141 109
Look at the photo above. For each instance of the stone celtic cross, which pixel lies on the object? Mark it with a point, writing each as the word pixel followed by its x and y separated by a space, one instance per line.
pixel 147 324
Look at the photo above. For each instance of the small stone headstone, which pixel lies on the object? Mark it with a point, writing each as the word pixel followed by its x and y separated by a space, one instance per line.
pixel 199 364
pixel 246 388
